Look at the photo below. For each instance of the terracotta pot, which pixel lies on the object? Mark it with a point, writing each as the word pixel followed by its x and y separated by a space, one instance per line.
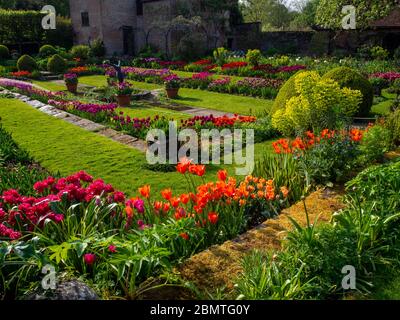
pixel 72 87
pixel 124 101
pixel 172 93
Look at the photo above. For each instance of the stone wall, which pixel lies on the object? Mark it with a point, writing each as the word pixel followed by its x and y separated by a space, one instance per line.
pixel 106 20
pixel 316 43
pixel 82 35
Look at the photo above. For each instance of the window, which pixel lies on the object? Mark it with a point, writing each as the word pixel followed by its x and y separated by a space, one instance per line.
pixel 139 7
pixel 85 19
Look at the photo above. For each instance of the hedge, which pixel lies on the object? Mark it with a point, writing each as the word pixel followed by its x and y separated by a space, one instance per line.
pixel 17 27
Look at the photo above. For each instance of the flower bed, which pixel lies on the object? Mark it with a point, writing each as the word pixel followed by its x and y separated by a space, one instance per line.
pixel 390 76
pixel 258 87
pixel 86 227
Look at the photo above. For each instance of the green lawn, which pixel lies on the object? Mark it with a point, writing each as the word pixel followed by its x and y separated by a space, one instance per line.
pixel 200 98
pixel 49 85
pixel 223 102
pixel 143 110
pixel 61 146
pixel 383 107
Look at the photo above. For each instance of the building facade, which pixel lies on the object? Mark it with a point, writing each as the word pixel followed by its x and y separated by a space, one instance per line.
pixel 127 26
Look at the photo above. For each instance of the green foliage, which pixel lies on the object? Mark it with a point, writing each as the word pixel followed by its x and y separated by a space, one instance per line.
pixel 18 26
pixel 61 36
pixel 363 235
pixel 80 52
pixel 272 14
pixel 253 57
pixel 262 279
pixel 329 12
pixel 329 161
pixel 378 185
pixel 47 51
pixel 319 104
pixel 349 78
pixel 26 63
pixel 62 6
pixel 56 64
pixel 379 84
pixel 220 55
pixel 379 53
pixel 10 151
pixel 284 170
pixel 392 123
pixel 375 143
pixel 287 91
pixel 4 52
pixel 263 129
pixel 97 48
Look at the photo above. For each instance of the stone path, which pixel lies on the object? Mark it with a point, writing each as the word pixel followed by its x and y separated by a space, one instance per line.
pixel 80 85
pixel 193 111
pixel 83 123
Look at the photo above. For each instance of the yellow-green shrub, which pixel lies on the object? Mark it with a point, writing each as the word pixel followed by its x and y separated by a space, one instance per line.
pixel 253 57
pixel 285 93
pixel 316 104
pixel 350 78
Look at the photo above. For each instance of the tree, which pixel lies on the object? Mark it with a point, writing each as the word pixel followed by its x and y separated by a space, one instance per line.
pixel 306 16
pixel 273 14
pixel 216 17
pixel 329 12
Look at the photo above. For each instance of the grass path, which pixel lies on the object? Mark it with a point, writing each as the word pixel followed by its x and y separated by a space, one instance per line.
pixel 62 147
pixel 383 108
pixel 48 85
pixel 200 98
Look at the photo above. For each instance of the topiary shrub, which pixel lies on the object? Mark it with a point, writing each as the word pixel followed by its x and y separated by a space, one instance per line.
pixel 56 64
pixel 47 51
pixel 318 104
pixel 26 63
pixel 4 52
pixel 80 52
pixel 285 93
pixel 349 78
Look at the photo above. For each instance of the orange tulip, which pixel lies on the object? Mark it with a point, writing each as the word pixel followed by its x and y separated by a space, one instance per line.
pixel 166 194
pixel 145 191
pixel 185 198
pixel 222 175
pixel 129 211
pixel 213 217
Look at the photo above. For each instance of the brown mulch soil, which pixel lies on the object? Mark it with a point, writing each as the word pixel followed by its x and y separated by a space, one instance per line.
pixel 218 266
